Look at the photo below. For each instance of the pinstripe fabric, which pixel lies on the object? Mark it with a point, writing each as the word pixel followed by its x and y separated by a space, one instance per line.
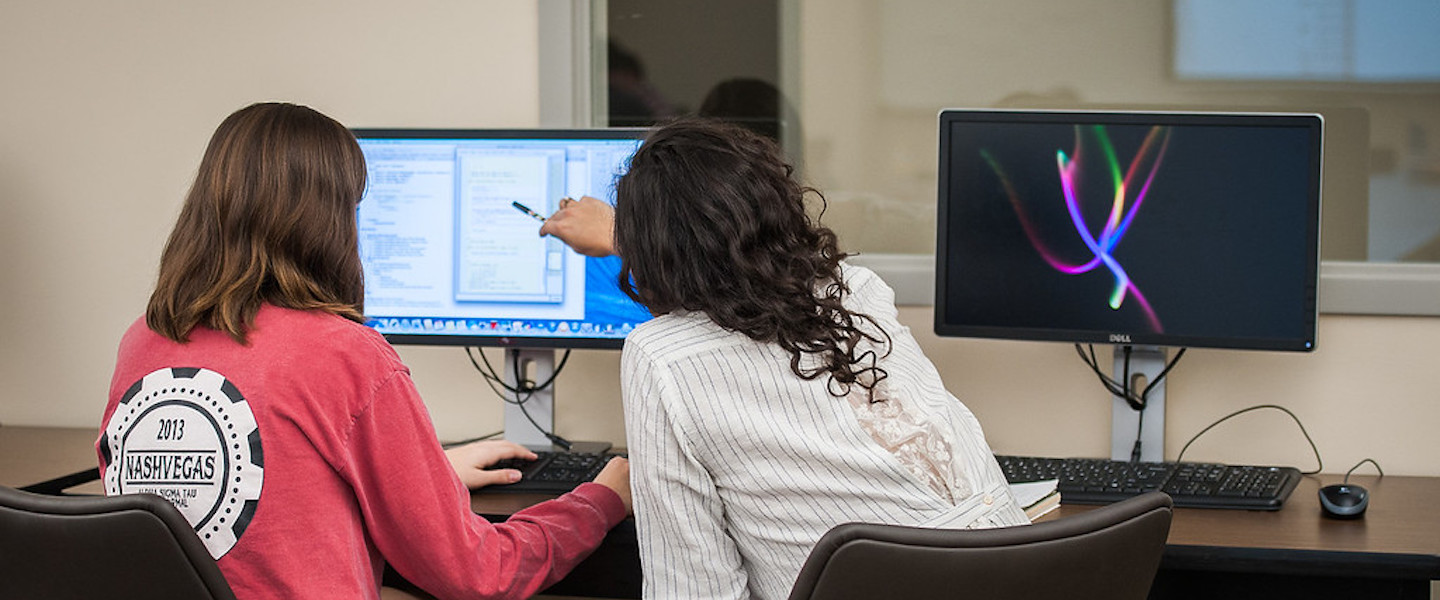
pixel 739 466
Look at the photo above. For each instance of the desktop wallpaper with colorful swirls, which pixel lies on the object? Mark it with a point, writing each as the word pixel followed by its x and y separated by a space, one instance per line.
pixel 1171 230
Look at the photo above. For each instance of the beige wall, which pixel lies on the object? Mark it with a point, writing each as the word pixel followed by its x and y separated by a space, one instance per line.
pixel 1369 390
pixel 107 106
pixel 106 111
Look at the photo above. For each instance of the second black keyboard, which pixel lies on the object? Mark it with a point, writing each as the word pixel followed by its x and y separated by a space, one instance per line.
pixel 1192 485
pixel 553 472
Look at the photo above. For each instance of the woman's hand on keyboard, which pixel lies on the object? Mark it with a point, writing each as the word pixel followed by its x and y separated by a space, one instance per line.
pixel 471 462
pixel 616 476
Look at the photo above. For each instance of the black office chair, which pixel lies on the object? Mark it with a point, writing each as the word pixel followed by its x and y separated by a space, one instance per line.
pixel 117 547
pixel 1110 553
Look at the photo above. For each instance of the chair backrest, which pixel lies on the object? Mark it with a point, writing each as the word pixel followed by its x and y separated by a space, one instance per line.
pixel 117 547
pixel 1111 552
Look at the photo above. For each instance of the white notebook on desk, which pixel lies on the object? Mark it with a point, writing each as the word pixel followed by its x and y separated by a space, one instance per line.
pixel 1037 497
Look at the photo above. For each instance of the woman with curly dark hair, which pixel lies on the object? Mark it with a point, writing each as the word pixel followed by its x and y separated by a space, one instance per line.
pixel 775 394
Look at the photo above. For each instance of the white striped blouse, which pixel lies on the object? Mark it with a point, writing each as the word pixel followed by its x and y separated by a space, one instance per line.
pixel 739 466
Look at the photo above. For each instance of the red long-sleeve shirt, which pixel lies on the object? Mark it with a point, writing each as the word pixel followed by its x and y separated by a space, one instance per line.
pixel 306 460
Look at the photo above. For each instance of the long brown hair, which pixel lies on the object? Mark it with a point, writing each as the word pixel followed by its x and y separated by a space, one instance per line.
pixel 269 219
pixel 709 218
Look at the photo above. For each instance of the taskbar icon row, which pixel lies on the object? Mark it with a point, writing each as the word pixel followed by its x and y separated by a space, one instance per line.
pixel 496 327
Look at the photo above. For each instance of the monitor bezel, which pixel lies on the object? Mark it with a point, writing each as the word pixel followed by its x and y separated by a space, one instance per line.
pixel 515 342
pixel 1313 123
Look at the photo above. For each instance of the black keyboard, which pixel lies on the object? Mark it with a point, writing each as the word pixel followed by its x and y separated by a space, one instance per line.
pixel 553 472
pixel 1192 485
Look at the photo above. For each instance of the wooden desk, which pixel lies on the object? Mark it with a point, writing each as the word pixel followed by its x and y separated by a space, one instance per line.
pixel 1394 552
pixel 34 454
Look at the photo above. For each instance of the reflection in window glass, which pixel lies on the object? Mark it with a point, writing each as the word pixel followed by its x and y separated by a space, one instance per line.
pixel 875 74
pixel 718 59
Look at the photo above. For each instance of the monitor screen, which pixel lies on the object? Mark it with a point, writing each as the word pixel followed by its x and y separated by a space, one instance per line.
pixel 1143 228
pixel 451 260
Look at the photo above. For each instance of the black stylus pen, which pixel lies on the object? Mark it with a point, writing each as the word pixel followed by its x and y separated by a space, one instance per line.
pixel 525 209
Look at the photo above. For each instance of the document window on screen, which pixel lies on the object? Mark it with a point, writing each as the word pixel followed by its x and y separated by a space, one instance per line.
pixel 498 255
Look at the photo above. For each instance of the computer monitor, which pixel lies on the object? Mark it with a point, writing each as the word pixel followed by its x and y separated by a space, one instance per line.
pixel 452 256
pixel 1148 230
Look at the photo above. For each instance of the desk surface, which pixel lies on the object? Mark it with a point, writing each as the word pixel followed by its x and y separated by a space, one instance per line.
pixel 1399 537
pixel 34 454
pixel 1400 533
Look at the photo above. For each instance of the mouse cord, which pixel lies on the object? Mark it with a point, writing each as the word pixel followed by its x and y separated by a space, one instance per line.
pixel 1319 464
pixel 1357 465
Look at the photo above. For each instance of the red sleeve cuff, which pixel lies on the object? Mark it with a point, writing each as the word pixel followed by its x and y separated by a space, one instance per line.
pixel 604 499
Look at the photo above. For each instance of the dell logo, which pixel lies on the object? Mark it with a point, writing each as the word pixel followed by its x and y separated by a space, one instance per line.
pixel 1119 338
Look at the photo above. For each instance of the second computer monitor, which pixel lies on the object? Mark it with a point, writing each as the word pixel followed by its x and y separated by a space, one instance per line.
pixel 1145 228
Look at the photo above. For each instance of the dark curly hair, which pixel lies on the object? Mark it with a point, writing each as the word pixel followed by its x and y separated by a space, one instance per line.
pixel 709 219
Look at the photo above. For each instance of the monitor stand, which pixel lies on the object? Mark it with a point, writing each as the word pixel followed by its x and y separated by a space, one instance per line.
pixel 1146 363
pixel 540 405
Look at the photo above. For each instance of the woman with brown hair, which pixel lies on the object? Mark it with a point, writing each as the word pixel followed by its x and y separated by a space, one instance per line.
pixel 775 394
pixel 288 433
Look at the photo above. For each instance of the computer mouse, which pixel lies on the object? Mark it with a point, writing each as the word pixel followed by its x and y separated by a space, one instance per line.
pixel 1343 501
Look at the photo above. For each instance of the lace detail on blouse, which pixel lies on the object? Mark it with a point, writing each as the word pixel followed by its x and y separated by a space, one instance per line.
pixel 916 439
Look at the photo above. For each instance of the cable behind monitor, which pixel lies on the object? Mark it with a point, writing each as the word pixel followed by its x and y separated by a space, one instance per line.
pixel 513 388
